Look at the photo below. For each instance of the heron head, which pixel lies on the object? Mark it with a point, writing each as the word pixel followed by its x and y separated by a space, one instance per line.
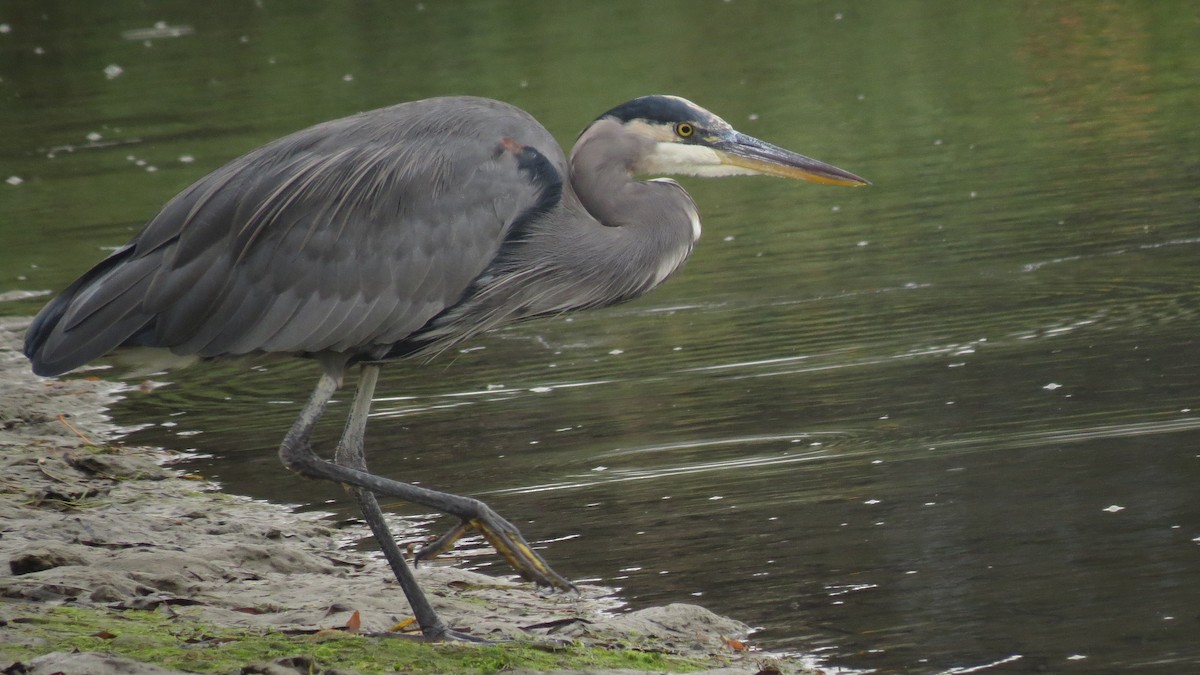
pixel 681 138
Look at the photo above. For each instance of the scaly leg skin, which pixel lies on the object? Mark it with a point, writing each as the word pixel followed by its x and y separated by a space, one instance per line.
pixel 296 453
pixel 349 453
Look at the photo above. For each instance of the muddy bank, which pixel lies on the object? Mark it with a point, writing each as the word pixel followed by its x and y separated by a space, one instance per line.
pixel 91 530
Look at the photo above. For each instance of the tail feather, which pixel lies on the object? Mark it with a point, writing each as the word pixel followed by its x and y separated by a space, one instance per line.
pixel 98 313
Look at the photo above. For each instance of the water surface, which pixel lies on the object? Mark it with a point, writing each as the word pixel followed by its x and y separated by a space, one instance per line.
pixel 949 421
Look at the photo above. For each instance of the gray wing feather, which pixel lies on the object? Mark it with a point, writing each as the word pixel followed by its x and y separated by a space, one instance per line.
pixel 346 236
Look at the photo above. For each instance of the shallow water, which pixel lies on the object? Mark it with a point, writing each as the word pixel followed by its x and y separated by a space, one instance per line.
pixel 944 422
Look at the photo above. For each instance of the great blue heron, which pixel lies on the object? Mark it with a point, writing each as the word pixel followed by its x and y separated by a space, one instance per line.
pixel 398 232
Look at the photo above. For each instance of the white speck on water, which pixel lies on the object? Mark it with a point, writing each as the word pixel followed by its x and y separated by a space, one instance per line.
pixel 1076 657
pixel 113 71
pixel 592 505
pixel 140 162
pixel 1052 386
pixel 160 30
pixel 837 17
pixel 493 387
pixel 1114 508
pixel 599 468
pixel 862 243
pixel 541 390
pixel 630 569
pixel 884 417
pixel 534 442
pixel 5 28
pixel 973 194
pixel 835 208
pixel 94 136
pixel 14 180
pixel 245 39
pixel 151 168
pixel 753 117
pixel 697 594
pixel 616 352
pixel 40 51
pixel 862 97
pixel 872 501
pixel 930 503
pixel 728 237
pixel 815 444
pixel 347 78
pixel 937 141
pixel 877 461
pixel 523 84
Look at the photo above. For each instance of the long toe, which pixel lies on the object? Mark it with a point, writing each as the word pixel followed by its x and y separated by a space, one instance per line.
pixel 442 544
pixel 508 542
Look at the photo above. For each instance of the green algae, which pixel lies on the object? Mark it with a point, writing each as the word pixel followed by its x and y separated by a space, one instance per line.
pixel 166 640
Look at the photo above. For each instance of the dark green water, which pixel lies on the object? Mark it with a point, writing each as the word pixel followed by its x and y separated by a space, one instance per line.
pixel 948 421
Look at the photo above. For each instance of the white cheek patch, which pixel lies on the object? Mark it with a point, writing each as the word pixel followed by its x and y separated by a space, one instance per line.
pixel 683 159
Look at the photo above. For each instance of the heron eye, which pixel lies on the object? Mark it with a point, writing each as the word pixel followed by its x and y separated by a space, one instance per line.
pixel 684 129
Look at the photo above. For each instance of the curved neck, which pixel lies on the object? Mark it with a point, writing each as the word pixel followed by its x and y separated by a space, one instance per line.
pixel 649 227
pixel 602 165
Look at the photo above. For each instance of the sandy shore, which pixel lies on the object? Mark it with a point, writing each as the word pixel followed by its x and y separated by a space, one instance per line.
pixel 113 529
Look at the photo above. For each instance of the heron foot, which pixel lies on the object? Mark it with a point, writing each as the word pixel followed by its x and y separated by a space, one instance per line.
pixel 508 542
pixel 449 635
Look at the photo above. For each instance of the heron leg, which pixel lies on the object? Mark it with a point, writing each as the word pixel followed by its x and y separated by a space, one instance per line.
pixel 296 453
pixel 350 454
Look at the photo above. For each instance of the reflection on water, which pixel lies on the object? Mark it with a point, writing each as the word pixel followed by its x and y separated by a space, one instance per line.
pixel 945 422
